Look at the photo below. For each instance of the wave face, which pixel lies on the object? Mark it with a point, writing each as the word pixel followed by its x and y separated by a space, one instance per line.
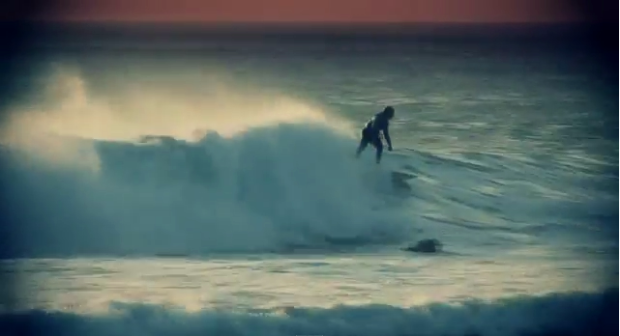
pixel 272 188
pixel 557 314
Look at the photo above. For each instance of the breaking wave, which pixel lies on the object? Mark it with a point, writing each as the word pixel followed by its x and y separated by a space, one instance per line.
pixel 554 314
pixel 270 186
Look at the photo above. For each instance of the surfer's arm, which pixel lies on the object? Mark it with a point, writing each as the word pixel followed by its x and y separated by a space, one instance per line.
pixel 386 135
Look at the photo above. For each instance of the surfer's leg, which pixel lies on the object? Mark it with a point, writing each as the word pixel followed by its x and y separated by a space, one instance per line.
pixel 361 147
pixel 379 146
pixel 363 143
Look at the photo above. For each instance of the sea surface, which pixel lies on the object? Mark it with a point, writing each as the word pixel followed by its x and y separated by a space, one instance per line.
pixel 195 181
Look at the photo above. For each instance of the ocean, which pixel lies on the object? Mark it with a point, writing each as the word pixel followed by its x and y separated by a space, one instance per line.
pixel 202 181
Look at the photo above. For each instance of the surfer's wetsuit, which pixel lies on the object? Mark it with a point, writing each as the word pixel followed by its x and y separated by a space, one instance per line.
pixel 372 132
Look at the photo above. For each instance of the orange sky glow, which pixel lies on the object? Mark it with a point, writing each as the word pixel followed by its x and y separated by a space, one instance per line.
pixel 476 11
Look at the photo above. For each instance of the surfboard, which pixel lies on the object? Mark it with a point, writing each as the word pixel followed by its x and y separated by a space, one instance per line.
pixel 399 180
pixel 400 175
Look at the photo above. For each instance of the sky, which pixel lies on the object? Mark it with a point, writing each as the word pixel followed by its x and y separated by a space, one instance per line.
pixel 477 11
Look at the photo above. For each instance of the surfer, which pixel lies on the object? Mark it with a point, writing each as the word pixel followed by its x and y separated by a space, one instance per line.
pixel 373 130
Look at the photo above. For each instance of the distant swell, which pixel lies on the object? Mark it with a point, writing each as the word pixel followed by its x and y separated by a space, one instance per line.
pixel 558 314
pixel 271 188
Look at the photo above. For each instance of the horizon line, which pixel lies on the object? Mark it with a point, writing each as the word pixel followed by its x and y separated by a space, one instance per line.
pixel 289 23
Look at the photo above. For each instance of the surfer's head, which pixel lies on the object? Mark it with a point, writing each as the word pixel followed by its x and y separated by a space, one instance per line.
pixel 389 112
